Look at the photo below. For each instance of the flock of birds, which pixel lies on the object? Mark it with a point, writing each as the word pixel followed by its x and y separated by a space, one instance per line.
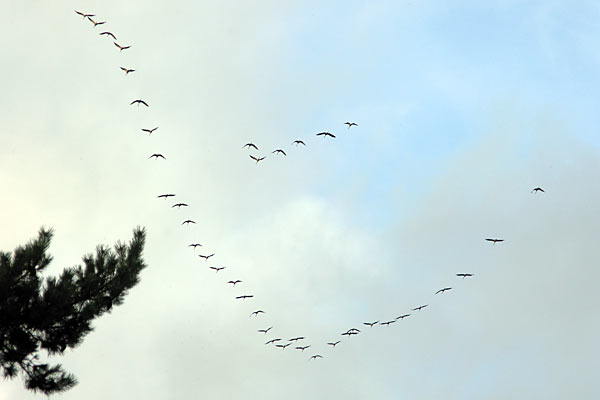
pixel 300 342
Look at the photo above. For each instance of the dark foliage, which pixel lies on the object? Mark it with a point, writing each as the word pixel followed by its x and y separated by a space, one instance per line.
pixel 54 314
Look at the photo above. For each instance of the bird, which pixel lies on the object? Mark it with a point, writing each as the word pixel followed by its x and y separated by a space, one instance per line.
pixel 333 344
pixel 370 323
pixel 166 196
pixel 353 330
pixel 464 275
pixel 206 257
pixel 149 130
pixel 350 124
pixel 295 339
pixel 244 296
pixel 235 282
pixel 257 312
pixel 443 290
pixel 273 340
pixel 388 322
pixel 494 241
pixel 326 134
pixel 297 142
pixel 537 189
pixel 138 102
pixel 96 23
pixel 257 159
pixel 121 48
pixel 187 222
pixel 265 330
pixel 157 155
pixel 279 151
pixel 302 347
pixel 350 333
pixel 107 33
pixel 217 269
pixel 127 71
pixel 283 346
pixel 402 316
pixel 250 145
pixel 315 357
pixel 84 15
pixel 194 245
pixel 179 205
pixel 420 307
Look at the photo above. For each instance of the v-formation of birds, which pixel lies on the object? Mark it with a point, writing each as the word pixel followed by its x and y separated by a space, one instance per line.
pixel 277 152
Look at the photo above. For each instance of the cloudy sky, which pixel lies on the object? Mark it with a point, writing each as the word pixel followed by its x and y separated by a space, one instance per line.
pixel 462 109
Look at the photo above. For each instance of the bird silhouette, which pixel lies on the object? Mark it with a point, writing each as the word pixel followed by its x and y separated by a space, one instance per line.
pixel 244 296
pixel 179 205
pixel 537 189
pixel 326 134
pixel 283 346
pixel 349 333
pixel 127 71
pixel 96 23
pixel 279 151
pixel 257 159
pixel 187 222
pixel 443 290
pixel 248 145
pixel 315 357
pixel 84 15
pixel 235 282
pixel 350 124
pixel 402 316
pixel 166 196
pixel 194 245
pixel 464 275
pixel 297 142
pixel 370 323
pixel 295 339
pixel 302 347
pixel 217 269
pixel 420 307
pixel 121 48
pixel 157 156
pixel 388 322
pixel 138 102
pixel 150 131
pixel 494 241
pixel 257 312
pixel 107 33
pixel 273 340
pixel 265 330
pixel 333 344
pixel 206 257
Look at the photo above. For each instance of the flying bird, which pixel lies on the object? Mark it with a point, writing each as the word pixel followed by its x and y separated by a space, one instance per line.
pixel 245 296
pixel 315 357
pixel 121 48
pixel 420 307
pixel 194 245
pixel 217 269
pixel 257 312
pixel 279 151
pixel 127 71
pixel 370 323
pixel 188 221
pixel 297 142
pixel 295 339
pixel 96 23
pixel 138 102
pixel 350 124
pixel 273 340
pixel 257 159
pixel 326 134
pixel 235 282
pixel 464 275
pixel 108 34
pixel 179 205
pixel 443 290
pixel 349 333
pixel 206 257
pixel 302 347
pixel 402 316
pixel 537 189
pixel 388 322
pixel 248 145
pixel 157 155
pixel 283 346
pixel 150 131
pixel 494 241
pixel 333 344
pixel 265 330
pixel 84 15
pixel 166 196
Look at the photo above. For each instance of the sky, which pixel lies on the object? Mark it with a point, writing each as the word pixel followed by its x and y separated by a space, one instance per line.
pixel 462 109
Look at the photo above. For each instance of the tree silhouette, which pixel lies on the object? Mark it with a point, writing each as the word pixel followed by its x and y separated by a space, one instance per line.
pixel 54 314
